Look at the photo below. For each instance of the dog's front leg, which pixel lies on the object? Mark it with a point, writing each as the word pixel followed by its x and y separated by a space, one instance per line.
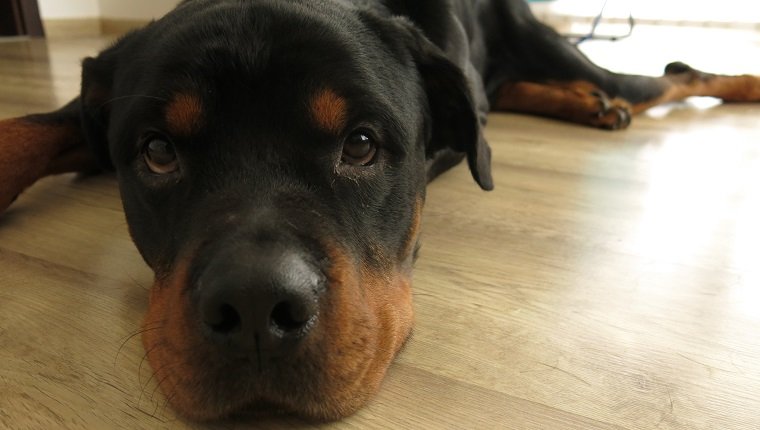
pixel 35 146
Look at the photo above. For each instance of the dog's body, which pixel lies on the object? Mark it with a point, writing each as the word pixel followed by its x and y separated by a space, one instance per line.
pixel 272 158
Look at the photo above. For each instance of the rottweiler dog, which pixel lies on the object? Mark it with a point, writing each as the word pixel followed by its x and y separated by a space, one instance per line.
pixel 272 157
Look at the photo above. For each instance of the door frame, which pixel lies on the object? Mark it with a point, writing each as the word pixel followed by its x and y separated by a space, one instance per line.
pixel 25 19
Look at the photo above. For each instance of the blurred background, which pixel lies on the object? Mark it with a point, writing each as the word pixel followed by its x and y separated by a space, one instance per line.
pixel 64 17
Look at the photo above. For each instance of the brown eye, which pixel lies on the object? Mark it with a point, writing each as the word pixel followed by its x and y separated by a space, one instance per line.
pixel 160 156
pixel 359 149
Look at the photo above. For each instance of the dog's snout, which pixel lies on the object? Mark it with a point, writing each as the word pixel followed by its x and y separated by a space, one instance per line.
pixel 262 301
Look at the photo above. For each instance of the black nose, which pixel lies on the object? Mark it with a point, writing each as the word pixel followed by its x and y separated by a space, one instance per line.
pixel 262 301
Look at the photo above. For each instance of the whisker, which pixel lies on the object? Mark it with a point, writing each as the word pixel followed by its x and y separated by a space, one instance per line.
pixel 131 336
pixel 155 410
pixel 158 385
pixel 142 390
pixel 150 400
pixel 167 401
pixel 137 283
pixel 139 368
pixel 147 383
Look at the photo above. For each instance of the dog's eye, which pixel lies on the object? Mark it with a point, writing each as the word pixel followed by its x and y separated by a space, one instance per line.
pixel 359 149
pixel 160 156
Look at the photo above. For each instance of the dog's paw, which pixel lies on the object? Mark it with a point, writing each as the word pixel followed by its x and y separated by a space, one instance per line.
pixel 685 74
pixel 678 67
pixel 612 114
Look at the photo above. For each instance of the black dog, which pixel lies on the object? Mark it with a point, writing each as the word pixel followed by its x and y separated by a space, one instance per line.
pixel 272 158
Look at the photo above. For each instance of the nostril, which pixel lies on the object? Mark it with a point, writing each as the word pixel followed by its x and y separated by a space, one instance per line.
pixel 290 317
pixel 224 319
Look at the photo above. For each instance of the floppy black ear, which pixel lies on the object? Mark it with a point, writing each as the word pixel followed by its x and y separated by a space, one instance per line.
pixel 97 79
pixel 96 97
pixel 456 123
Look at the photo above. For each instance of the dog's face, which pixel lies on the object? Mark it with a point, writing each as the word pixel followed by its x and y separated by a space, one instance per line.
pixel 271 159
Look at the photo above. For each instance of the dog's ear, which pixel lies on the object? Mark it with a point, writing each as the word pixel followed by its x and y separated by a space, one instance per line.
pixel 455 118
pixel 39 145
pixel 97 96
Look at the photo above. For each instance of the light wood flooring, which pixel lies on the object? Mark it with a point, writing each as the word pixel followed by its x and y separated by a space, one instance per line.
pixel 611 281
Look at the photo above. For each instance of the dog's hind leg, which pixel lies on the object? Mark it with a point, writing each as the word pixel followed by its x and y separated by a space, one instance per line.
pixel 681 81
pixel 533 69
pixel 584 102
pixel 35 146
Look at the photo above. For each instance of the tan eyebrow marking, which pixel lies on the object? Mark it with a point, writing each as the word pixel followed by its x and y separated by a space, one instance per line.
pixel 184 114
pixel 329 110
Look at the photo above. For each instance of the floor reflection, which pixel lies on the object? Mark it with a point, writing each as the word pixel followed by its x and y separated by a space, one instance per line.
pixel 702 207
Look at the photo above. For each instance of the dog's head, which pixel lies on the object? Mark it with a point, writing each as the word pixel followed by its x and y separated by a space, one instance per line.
pixel 272 164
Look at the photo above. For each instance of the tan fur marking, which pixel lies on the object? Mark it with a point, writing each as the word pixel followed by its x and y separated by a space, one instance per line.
pixel 744 88
pixel 166 333
pixel 329 110
pixel 371 305
pixel 184 114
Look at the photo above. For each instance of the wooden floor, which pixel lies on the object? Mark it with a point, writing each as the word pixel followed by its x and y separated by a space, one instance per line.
pixel 612 280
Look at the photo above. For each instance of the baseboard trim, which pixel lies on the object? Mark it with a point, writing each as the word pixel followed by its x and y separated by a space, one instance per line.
pixel 66 28
pixel 117 27
pixel 79 27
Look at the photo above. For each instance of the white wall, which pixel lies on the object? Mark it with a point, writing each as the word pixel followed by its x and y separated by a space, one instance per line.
pixel 69 9
pixel 135 9
pixel 115 9
pixel 723 11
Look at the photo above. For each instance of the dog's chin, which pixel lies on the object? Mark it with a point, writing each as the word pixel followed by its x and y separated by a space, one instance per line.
pixel 206 396
pixel 205 406
pixel 332 374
